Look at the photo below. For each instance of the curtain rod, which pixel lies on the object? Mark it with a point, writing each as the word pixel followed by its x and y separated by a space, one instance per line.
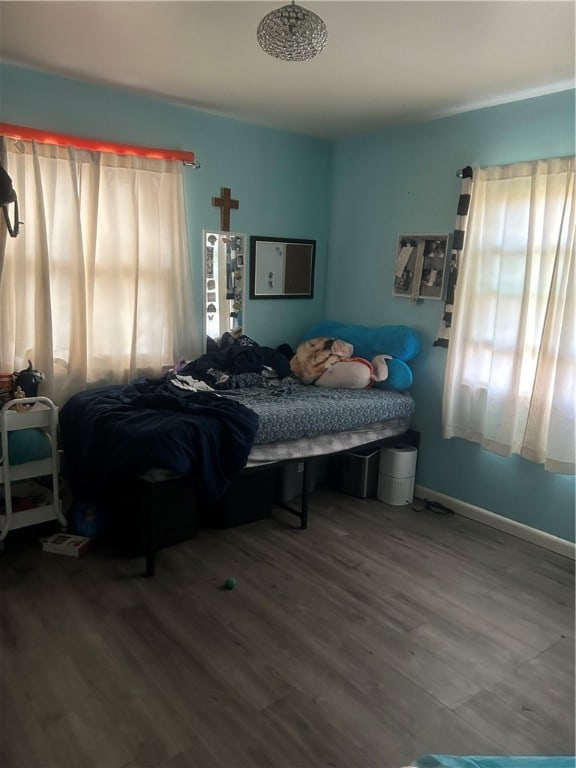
pixel 465 173
pixel 62 140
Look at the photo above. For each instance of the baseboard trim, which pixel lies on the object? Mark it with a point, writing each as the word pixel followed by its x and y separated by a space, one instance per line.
pixel 520 530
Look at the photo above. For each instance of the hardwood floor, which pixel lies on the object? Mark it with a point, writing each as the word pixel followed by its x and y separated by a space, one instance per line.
pixel 377 635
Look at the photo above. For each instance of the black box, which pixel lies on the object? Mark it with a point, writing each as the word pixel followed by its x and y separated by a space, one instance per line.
pixel 292 476
pixel 167 511
pixel 250 497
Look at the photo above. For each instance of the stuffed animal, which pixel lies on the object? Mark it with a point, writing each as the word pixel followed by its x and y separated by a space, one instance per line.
pixel 328 362
pixel 315 356
pixel 375 356
pixel 355 373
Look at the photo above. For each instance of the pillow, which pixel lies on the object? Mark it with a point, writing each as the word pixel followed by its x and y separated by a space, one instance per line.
pixel 399 376
pixel 398 341
pixel 28 445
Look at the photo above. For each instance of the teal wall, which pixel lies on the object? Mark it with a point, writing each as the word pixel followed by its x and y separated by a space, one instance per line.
pixel 403 181
pixel 354 197
pixel 282 180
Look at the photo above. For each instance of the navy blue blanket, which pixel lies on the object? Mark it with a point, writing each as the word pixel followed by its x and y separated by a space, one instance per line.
pixel 234 360
pixel 117 430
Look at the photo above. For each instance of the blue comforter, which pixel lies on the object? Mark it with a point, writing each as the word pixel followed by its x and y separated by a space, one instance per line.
pixel 117 430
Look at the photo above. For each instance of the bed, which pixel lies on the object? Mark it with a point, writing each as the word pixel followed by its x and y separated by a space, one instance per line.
pixel 181 429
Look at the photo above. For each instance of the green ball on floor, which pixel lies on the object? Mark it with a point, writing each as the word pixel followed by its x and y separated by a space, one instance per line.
pixel 229 583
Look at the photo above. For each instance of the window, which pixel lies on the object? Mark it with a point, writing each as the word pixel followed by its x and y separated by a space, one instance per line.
pixel 511 369
pixel 97 288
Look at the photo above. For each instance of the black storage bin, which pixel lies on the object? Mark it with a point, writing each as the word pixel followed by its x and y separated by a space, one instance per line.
pixel 249 498
pixel 356 472
pixel 291 480
pixel 167 511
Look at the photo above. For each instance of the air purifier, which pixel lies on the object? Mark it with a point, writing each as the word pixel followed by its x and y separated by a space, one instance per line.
pixel 397 474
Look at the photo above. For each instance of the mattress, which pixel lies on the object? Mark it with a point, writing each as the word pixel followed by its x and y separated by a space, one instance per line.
pixel 296 411
pixel 322 445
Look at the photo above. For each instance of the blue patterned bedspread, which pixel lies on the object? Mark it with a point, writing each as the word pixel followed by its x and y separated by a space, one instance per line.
pixel 293 410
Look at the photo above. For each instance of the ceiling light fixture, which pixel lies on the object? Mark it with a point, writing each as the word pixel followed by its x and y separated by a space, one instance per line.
pixel 292 33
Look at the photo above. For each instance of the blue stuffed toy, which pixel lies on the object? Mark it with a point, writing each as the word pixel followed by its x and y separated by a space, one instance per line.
pixel 397 343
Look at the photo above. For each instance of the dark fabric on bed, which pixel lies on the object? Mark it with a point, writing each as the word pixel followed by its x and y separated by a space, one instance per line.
pixel 292 410
pixel 235 359
pixel 117 430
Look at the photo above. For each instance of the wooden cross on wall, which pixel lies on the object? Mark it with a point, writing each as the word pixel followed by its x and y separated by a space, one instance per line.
pixel 225 203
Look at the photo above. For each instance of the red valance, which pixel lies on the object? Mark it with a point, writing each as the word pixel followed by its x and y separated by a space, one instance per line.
pixel 62 140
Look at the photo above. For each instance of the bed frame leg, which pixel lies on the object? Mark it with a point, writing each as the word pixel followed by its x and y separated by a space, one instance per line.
pixel 304 500
pixel 149 546
pixel 301 513
pixel 150 561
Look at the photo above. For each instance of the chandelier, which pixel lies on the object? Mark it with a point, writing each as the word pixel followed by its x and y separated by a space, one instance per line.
pixel 292 33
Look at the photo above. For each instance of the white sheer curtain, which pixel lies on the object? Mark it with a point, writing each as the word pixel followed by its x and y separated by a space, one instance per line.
pixel 511 368
pixel 97 287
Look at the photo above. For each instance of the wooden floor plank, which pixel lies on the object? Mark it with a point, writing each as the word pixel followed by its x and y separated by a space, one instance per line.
pixel 376 635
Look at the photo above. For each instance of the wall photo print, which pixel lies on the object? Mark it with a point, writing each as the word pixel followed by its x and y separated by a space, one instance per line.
pixel 420 266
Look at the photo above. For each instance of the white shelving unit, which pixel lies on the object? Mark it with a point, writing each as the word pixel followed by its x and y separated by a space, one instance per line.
pixel 43 414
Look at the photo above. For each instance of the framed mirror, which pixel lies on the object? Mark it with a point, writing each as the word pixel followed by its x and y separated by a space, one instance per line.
pixel 281 268
pixel 224 256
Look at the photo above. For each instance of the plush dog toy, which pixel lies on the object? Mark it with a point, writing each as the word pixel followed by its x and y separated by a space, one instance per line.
pixel 328 362
pixel 355 373
pixel 356 356
pixel 315 356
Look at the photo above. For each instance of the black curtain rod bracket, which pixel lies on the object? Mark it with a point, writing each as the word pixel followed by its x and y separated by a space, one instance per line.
pixel 465 173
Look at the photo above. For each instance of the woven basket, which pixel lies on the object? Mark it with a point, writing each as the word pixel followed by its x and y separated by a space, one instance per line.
pixel 6 387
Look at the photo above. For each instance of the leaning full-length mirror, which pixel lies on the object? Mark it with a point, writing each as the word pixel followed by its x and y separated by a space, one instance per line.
pixel 224 258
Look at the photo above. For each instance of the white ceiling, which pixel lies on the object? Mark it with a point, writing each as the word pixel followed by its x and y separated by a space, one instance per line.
pixel 385 62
